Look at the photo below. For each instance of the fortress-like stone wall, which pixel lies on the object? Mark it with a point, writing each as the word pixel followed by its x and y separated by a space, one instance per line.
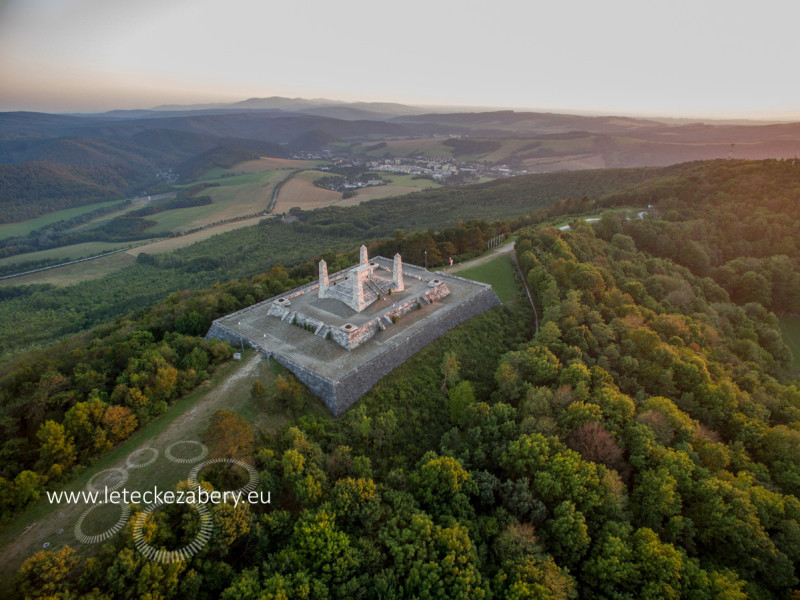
pixel 360 380
pixel 340 363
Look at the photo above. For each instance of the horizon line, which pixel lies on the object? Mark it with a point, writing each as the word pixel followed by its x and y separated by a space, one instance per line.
pixel 777 116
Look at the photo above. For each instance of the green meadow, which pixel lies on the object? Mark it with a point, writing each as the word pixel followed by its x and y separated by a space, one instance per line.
pixel 499 273
pixel 25 227
pixel 66 253
pixel 790 327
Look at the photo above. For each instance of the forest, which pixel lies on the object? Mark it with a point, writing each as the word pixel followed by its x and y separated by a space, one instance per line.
pixel 44 172
pixel 645 443
pixel 32 189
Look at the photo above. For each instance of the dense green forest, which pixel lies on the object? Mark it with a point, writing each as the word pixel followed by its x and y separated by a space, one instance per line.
pixel 42 175
pixel 32 189
pixel 133 367
pixel 645 443
pixel 62 407
pixel 226 155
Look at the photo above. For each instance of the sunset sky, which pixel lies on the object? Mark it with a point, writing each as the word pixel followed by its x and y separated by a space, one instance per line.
pixel 704 58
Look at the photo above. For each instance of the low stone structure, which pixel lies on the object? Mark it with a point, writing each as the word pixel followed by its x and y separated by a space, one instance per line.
pixel 341 334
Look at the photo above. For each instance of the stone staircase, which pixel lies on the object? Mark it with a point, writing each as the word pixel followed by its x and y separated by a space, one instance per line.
pixel 371 286
pixel 339 292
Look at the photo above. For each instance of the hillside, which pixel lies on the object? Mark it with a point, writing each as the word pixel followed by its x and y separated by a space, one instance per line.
pixel 149 147
pixel 33 315
pixel 522 123
pixel 642 442
pixel 36 188
pixel 44 175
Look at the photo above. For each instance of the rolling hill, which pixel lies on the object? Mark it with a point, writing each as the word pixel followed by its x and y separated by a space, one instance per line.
pixel 181 141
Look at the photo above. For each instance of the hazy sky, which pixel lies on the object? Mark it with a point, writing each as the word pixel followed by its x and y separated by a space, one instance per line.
pixel 701 57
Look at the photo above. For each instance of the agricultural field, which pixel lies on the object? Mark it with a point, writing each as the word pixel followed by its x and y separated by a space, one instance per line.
pixel 564 153
pixel 66 253
pixel 398 180
pixel 72 274
pixel 268 164
pixel 383 191
pixel 244 189
pixel 99 267
pixel 562 163
pixel 135 204
pixel 425 146
pixel 400 185
pixel 248 192
pixel 25 227
pixel 508 148
pixel 300 191
pixel 236 197
pixel 544 154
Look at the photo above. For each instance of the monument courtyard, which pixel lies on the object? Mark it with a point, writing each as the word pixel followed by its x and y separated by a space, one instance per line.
pixel 340 334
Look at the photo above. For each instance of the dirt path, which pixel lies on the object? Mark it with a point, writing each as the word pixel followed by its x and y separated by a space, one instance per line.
pixel 54 524
pixel 504 249
pixel 192 422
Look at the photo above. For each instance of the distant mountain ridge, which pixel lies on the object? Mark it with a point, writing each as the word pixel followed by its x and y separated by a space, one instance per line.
pixel 318 106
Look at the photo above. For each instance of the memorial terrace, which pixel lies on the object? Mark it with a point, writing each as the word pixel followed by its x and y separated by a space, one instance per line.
pixel 340 352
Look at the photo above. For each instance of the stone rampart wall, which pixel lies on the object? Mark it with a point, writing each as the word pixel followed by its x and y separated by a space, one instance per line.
pixel 357 382
pixel 340 394
pixel 357 336
pixel 221 332
pixel 320 386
